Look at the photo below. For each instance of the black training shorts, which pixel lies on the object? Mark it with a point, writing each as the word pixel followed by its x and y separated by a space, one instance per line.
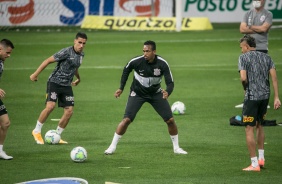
pixel 135 102
pixel 254 111
pixel 63 94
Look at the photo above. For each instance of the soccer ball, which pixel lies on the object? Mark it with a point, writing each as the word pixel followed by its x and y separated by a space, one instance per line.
pixel 178 108
pixel 78 154
pixel 52 137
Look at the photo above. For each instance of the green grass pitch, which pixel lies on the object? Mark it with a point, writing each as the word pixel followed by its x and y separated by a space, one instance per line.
pixel 204 66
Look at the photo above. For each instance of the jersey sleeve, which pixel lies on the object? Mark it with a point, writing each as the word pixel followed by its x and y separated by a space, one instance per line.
pixel 246 17
pixel 168 79
pixel 271 64
pixel 125 73
pixel 241 63
pixel 61 55
pixel 269 18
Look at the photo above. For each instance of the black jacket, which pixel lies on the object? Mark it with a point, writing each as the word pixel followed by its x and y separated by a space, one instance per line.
pixel 147 76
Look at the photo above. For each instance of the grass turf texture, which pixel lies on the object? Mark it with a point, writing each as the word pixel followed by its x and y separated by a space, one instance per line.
pixel 204 65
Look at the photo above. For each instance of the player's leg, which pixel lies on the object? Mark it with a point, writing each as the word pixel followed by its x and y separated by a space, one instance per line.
pixel 250 120
pixel 260 142
pixel 65 100
pixel 260 132
pixel 50 106
pixel 251 143
pixel 51 99
pixel 162 107
pixel 122 126
pixel 41 120
pixel 4 126
pixel 133 105
pixel 68 111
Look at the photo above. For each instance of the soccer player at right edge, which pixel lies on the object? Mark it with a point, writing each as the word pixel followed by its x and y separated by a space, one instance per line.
pixel 254 68
pixel 146 87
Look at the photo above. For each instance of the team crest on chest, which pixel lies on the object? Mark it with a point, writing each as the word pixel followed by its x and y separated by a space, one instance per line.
pixel 157 72
pixel 262 18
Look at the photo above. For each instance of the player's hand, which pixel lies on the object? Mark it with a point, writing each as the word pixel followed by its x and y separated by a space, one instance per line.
pixel 277 104
pixel 165 94
pixel 33 77
pixel 76 82
pixel 118 93
pixel 2 93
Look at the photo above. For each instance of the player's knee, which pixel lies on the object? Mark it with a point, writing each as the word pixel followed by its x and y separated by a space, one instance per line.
pixel 68 111
pixel 126 121
pixel 5 125
pixel 50 107
pixel 170 122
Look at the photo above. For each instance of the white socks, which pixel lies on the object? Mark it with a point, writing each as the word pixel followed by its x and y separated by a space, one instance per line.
pixel 1 148
pixel 174 139
pixel 38 127
pixel 254 161
pixel 115 140
pixel 261 154
pixel 60 130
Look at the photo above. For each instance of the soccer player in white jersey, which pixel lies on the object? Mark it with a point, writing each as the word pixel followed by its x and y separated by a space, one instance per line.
pixel 149 69
pixel 255 68
pixel 59 85
pixel 6 48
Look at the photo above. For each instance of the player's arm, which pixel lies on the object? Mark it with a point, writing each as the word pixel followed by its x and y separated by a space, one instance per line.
pixel 168 81
pixel 2 93
pixel 277 102
pixel 261 29
pixel 245 29
pixel 43 65
pixel 243 76
pixel 77 81
pixel 125 73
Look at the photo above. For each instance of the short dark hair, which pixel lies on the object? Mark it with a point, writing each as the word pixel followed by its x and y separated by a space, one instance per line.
pixel 152 43
pixel 7 43
pixel 249 39
pixel 81 35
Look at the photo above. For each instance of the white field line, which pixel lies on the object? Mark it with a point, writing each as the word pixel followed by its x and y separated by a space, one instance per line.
pixel 184 67
pixel 141 41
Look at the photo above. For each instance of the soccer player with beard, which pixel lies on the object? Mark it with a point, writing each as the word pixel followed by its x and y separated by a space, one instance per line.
pixel 149 69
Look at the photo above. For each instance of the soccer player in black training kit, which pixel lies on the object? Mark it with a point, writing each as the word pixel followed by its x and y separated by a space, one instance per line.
pixel 255 68
pixel 59 85
pixel 149 69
